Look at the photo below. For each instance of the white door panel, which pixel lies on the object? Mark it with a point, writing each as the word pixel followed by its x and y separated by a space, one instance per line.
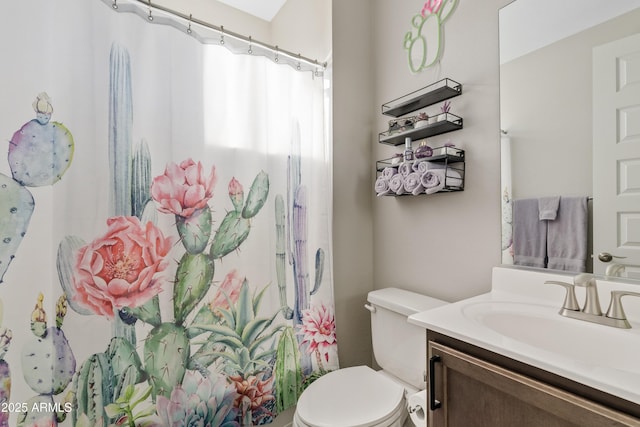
pixel 616 153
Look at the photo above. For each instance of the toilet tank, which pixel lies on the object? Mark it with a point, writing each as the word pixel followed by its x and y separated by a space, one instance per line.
pixel 399 347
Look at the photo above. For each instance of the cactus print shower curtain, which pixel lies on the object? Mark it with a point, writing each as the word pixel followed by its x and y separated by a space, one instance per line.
pixel 165 215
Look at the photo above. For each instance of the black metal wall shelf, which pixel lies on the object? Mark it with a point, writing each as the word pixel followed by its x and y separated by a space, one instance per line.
pixel 445 122
pixel 451 163
pixel 428 95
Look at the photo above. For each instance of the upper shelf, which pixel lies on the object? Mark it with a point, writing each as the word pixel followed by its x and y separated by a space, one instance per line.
pixel 428 95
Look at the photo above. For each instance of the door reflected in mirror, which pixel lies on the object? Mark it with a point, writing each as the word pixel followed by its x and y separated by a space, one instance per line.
pixel 565 135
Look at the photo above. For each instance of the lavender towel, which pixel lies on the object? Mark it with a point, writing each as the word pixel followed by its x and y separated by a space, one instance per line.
pixel 388 172
pixel 382 186
pixel 567 235
pixel 529 234
pixel 396 184
pixel 548 208
pixel 435 180
pixel 405 169
pixel 421 166
pixel 412 184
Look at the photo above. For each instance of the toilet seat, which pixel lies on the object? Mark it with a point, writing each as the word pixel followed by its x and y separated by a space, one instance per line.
pixel 351 397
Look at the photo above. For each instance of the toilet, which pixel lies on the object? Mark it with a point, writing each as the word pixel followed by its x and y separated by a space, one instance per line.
pixel 360 396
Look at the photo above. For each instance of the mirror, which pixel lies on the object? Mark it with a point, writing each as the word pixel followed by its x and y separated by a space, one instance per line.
pixel 547 114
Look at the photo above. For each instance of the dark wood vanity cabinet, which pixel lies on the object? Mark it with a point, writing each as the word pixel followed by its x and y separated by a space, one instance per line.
pixel 472 387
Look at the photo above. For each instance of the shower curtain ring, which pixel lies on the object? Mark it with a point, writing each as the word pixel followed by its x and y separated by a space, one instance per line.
pixel 317 72
pixel 277 58
pixel 115 4
pixel 189 27
pixel 250 51
pixel 221 34
pixel 150 17
pixel 299 66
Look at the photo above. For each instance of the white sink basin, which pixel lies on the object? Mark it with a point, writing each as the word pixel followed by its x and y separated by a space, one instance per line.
pixel 541 326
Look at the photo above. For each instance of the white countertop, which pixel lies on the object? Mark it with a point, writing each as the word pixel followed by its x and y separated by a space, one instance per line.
pixel 585 353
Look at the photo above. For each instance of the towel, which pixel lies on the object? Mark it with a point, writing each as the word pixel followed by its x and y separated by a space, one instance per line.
pixel 412 184
pixel 405 169
pixel 388 172
pixel 424 165
pixel 382 186
pixel 567 235
pixel 529 234
pixel 436 180
pixel 396 184
pixel 548 208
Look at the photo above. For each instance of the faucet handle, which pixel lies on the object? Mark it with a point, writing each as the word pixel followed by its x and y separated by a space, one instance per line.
pixel 570 300
pixel 615 310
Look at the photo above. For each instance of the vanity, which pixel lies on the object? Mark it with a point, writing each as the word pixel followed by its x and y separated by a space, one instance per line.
pixel 508 358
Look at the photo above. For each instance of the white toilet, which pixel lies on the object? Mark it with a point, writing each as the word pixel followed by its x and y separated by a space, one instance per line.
pixel 360 396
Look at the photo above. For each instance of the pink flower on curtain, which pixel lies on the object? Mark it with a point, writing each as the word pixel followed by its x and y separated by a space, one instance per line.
pixel 431 7
pixel 123 268
pixel 318 329
pixel 236 193
pixel 229 288
pixel 184 188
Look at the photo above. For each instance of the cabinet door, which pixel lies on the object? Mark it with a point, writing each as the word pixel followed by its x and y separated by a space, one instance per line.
pixel 474 393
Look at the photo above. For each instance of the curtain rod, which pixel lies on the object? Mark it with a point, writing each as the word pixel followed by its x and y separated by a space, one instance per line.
pixel 235 42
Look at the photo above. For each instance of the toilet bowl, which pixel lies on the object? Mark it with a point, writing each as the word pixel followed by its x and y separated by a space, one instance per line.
pixel 352 397
pixel 360 396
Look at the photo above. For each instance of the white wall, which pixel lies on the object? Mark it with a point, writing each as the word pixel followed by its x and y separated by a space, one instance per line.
pixel 442 245
pixel 445 244
pixel 353 103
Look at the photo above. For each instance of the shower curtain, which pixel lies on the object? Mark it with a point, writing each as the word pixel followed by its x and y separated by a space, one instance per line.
pixel 165 213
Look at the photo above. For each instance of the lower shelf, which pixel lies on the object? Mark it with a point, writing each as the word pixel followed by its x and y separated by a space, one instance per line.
pixel 420 177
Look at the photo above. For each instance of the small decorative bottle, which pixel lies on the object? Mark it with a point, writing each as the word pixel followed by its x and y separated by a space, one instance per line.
pixel 423 150
pixel 408 151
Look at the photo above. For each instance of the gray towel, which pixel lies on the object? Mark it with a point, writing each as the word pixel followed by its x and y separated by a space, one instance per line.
pixel 548 207
pixel 529 234
pixel 567 236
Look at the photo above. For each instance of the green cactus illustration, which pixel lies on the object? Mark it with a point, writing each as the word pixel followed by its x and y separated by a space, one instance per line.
pixel 195 231
pixel 236 225
pixel 193 280
pixel 291 244
pixel 40 152
pixel 16 208
pixel 93 387
pixel 104 378
pixel 242 339
pixel 289 380
pixel 166 353
pixel 48 363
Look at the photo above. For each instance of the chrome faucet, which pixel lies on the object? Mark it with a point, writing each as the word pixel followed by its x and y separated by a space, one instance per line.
pixel 591 311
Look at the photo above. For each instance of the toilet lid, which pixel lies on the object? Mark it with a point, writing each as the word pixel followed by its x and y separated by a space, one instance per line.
pixel 355 397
